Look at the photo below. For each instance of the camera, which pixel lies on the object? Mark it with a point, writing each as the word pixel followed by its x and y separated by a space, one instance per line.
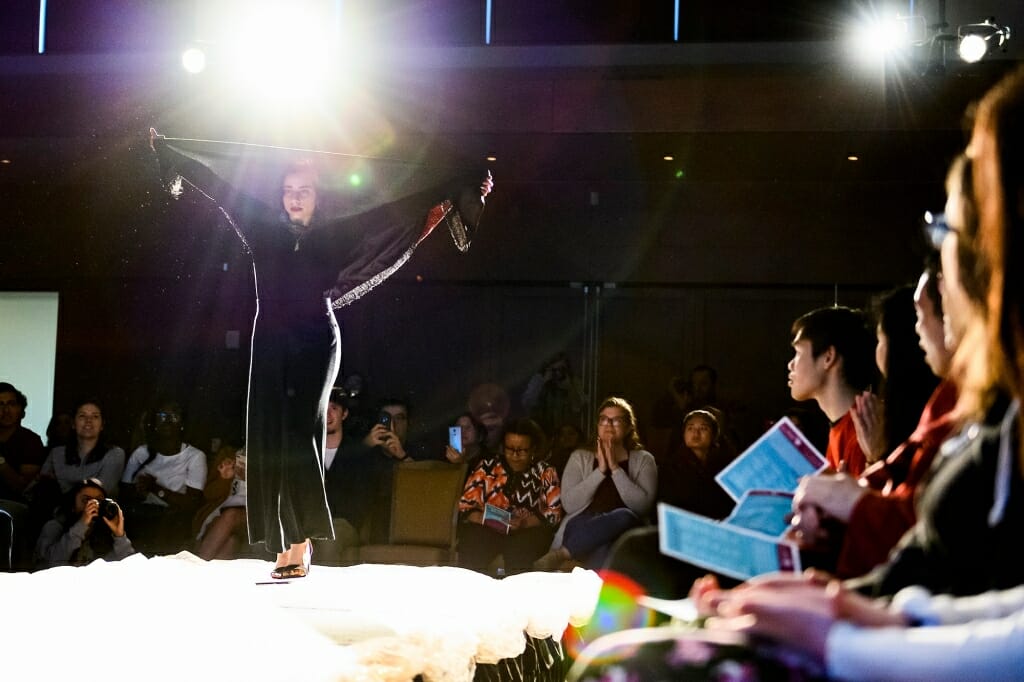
pixel 108 509
pixel 385 419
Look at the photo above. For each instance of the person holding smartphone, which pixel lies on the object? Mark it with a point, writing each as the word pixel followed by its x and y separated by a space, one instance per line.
pixel 391 430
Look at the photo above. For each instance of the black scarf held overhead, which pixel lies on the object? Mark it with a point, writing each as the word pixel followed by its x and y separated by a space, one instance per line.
pixel 244 182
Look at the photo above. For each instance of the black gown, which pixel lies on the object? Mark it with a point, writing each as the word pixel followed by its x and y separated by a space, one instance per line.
pixel 296 348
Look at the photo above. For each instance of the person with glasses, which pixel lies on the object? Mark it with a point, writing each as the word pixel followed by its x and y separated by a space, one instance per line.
pixel 163 484
pixel 608 488
pixel 511 503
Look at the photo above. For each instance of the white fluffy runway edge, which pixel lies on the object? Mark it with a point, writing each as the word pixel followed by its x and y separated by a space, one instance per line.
pixel 182 618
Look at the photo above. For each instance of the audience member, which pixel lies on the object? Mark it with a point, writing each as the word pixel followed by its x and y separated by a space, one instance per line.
pixel 389 447
pixel 348 465
pixel 697 391
pixel 60 430
pixel 21 450
pixel 490 405
pixel 920 636
pixel 220 522
pixel 568 438
pixel 608 489
pixel 687 479
pixel 87 454
pixel 833 361
pixel 21 456
pixel 474 446
pixel 163 484
pixel 518 483
pixel 879 508
pixel 887 419
pixel 87 526
pixel 554 396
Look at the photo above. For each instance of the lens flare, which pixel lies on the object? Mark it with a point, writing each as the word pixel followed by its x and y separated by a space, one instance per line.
pixel 617 610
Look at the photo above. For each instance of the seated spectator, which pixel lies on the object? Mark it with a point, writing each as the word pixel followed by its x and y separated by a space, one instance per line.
pixel 60 430
pixel 876 510
pixel 389 446
pixel 163 484
pixel 697 391
pixel 21 456
pixel 687 479
pixel 515 482
pixel 474 447
pixel 554 395
pixel 87 454
pixel 568 438
pixel 489 403
pixel 885 420
pixel 21 450
pixel 608 489
pixel 833 361
pixel 87 526
pixel 349 470
pixel 220 522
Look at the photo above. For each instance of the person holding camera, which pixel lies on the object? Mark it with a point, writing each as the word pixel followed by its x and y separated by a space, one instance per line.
pixel 87 526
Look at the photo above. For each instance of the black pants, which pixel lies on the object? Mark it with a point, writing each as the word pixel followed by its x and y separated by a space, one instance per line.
pixel 478 545
pixel 290 379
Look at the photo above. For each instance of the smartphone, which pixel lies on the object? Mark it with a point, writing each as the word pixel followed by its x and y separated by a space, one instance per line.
pixel 385 419
pixel 455 438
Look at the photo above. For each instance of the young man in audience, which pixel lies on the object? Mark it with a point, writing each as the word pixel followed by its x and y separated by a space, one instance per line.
pixel 347 470
pixel 833 361
pixel 21 456
pixel 878 508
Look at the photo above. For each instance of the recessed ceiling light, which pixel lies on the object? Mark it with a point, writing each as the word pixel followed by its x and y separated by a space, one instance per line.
pixel 669 157
pixel 492 157
pixel 5 161
pixel 853 157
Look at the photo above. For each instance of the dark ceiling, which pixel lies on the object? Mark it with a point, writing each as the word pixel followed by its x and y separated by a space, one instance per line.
pixel 760 112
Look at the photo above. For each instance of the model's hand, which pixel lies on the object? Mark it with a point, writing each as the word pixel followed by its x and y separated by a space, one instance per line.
pixel 152 138
pixel 834 495
pixel 869 422
pixel 487 186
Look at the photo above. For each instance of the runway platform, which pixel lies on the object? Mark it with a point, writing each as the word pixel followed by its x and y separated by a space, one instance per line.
pixel 182 618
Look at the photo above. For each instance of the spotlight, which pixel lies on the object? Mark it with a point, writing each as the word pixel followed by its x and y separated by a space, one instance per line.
pixel 876 38
pixel 977 39
pixel 194 60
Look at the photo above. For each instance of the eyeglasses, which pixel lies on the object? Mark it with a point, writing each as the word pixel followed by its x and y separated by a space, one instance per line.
pixel 167 417
pixel 516 452
pixel 611 421
pixel 936 228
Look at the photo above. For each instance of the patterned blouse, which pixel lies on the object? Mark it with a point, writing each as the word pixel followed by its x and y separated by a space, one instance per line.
pixel 535 491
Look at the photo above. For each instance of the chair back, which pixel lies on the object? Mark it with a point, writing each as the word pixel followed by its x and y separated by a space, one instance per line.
pixel 424 515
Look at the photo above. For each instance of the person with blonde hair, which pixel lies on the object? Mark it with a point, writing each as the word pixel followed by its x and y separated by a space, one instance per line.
pixel 607 489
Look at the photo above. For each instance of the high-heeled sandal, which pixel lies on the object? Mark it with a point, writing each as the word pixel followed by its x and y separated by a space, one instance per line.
pixel 295 570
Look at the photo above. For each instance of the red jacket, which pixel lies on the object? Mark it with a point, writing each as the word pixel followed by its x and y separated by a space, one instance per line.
pixel 884 514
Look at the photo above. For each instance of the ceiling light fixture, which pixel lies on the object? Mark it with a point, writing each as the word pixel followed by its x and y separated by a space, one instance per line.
pixel 975 41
